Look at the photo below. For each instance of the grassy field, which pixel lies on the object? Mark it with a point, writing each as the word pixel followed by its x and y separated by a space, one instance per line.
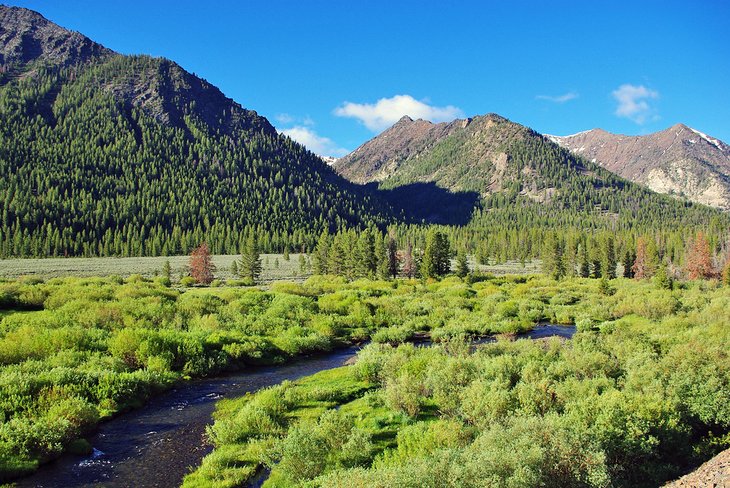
pixel 275 267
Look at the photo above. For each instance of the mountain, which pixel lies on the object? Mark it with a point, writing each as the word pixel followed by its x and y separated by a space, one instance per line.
pixel 107 154
pixel 502 169
pixel 680 161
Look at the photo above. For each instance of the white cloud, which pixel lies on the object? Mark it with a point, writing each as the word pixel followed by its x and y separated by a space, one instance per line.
pixel 323 146
pixel 284 118
pixel 633 102
pixel 387 111
pixel 559 98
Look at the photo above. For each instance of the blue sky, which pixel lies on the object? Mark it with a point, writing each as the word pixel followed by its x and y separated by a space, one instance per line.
pixel 334 74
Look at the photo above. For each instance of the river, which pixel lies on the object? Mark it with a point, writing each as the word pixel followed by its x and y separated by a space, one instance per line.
pixel 156 445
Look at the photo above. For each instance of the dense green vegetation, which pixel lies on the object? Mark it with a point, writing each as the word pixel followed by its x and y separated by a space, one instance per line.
pixel 73 351
pixel 640 394
pixel 132 156
pixel 118 156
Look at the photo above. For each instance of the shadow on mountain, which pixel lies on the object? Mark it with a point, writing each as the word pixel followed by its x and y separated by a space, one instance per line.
pixel 426 202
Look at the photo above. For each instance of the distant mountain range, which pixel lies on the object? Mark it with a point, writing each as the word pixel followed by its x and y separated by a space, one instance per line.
pixel 107 154
pixel 494 162
pixel 679 161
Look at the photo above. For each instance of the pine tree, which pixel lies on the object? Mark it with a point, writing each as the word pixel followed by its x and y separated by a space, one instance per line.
pixel 201 265
pixel 393 261
pixel 608 266
pixel 381 258
pixel 320 258
pixel 250 262
pixel 726 272
pixel 553 263
pixel 585 264
pixel 234 268
pixel 167 273
pixel 462 264
pixel 662 278
pixel 628 262
pixel 302 263
pixel 436 255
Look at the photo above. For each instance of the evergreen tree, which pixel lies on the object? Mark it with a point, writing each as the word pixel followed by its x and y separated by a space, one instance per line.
pixel 381 258
pixel 250 262
pixel 320 258
pixel 302 263
pixel 366 264
pixel 726 272
pixel 628 263
pixel 608 266
pixel 436 255
pixel 585 264
pixel 393 261
pixel 553 263
pixel 167 273
pixel 462 264
pixel 662 278
pixel 234 268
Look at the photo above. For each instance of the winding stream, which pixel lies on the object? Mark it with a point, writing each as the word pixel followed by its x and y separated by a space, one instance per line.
pixel 157 445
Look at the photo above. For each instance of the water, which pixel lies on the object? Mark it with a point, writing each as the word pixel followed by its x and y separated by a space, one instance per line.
pixel 157 445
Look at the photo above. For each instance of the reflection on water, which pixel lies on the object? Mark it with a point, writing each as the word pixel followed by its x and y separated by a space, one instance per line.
pixel 158 444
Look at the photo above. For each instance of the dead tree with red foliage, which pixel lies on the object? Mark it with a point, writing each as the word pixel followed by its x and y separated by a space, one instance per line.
pixel 201 265
pixel 699 259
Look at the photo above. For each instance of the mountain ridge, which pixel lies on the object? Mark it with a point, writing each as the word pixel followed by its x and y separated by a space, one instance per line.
pixel 679 160
pixel 110 154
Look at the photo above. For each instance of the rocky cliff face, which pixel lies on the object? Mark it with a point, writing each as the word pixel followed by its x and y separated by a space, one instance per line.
pixel 680 161
pixel 26 36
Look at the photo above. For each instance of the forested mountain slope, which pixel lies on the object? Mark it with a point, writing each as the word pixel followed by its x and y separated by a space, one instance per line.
pixel 680 161
pixel 509 172
pixel 126 155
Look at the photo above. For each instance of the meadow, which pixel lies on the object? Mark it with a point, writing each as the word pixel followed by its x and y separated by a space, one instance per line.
pixel 274 267
pixel 76 351
pixel 638 396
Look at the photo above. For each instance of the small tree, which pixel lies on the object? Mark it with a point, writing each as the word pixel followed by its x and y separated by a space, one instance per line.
pixel 726 272
pixel 250 263
pixel 436 260
pixel 201 265
pixel 166 273
pixel 302 263
pixel 608 266
pixel 662 278
pixel 462 264
pixel 699 259
pixel 381 258
pixel 629 259
pixel 553 263
pixel 393 261
pixel 585 263
pixel 234 268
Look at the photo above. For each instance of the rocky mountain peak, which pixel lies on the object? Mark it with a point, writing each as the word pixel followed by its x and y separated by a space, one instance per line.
pixel 26 36
pixel 679 160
